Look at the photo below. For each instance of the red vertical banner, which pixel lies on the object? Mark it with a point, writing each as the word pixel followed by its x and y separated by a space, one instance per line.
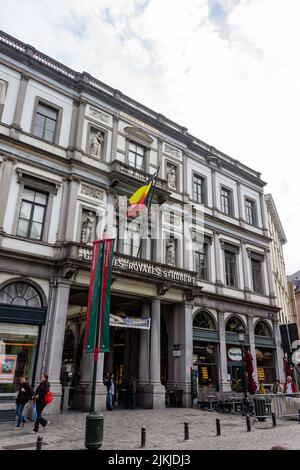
pixel 97 327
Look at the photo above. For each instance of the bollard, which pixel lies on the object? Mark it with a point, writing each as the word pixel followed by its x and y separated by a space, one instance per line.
pixel 248 423
pixel 299 415
pixel 39 443
pixel 143 436
pixel 186 431
pixel 274 420
pixel 218 425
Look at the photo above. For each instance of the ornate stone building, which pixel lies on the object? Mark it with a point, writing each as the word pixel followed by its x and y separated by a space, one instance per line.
pixel 70 145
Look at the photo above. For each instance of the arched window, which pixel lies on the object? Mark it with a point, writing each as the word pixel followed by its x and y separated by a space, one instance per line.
pixel 233 323
pixel 204 320
pixel 20 293
pixel 262 329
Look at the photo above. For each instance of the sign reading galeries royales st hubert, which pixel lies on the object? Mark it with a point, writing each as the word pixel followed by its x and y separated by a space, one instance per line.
pixel 133 265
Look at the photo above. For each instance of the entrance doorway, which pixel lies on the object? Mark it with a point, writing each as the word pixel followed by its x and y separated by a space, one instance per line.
pixel 235 371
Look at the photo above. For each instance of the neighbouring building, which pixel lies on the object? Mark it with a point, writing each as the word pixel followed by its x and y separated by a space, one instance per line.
pixel 70 145
pixel 294 290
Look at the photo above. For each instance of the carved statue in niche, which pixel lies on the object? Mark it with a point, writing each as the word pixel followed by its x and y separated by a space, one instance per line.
pixel 171 176
pixel 87 229
pixel 170 254
pixel 96 144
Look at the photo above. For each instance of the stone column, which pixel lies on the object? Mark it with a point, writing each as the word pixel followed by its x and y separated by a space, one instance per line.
pixel 280 374
pixel 214 192
pixel 263 214
pixel 252 346
pixel 144 363
pixel 71 209
pixel 74 126
pixel 16 125
pixel 218 254
pixel 224 382
pixel 83 391
pixel 114 144
pixel 185 361
pixel 170 319
pixel 55 341
pixel 7 172
pixel 61 233
pixel 246 272
pixel 270 278
pixel 240 209
pixel 79 129
pixel 155 392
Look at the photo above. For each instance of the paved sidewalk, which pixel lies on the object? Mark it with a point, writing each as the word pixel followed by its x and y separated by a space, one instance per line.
pixel 164 428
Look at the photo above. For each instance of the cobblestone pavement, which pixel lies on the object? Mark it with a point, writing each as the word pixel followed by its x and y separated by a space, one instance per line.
pixel 164 428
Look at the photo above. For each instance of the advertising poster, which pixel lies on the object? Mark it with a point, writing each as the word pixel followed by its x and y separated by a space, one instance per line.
pixel 7 368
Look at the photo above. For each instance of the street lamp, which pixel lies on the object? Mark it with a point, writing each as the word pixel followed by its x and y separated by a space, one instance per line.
pixel 241 338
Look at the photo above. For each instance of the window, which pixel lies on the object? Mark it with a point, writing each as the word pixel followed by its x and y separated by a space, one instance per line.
pixel 226 201
pixel 136 156
pixel 199 189
pixel 205 357
pixel 201 265
pixel 32 212
pixel 45 122
pixel 20 293
pixel 262 329
pixel 250 212
pixel 230 269
pixel 204 320
pixel 256 276
pixel 233 324
pixel 132 241
pixel 265 365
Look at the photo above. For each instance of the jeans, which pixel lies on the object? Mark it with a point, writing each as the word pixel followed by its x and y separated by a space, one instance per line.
pixel 109 401
pixel 19 412
pixel 40 405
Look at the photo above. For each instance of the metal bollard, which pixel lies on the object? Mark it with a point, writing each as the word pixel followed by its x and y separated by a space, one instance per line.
pixel 143 436
pixel 39 443
pixel 248 423
pixel 186 431
pixel 218 425
pixel 274 420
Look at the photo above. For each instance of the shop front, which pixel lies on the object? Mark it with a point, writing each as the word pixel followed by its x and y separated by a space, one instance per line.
pixel 265 353
pixel 21 319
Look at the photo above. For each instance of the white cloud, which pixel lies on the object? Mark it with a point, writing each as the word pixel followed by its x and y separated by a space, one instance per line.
pixel 234 85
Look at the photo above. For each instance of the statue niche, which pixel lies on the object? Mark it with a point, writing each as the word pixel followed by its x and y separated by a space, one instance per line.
pixel 96 142
pixel 171 177
pixel 88 227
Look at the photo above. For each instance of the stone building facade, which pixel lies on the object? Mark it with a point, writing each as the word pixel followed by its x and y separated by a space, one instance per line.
pixel 70 146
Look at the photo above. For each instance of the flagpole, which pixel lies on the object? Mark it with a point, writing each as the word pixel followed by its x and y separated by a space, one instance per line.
pixel 149 205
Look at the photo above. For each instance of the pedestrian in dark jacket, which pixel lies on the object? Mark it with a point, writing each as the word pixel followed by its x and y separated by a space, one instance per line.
pixel 39 399
pixel 131 392
pixel 25 394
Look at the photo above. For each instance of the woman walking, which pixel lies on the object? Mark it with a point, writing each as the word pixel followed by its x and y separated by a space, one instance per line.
pixel 39 399
pixel 25 394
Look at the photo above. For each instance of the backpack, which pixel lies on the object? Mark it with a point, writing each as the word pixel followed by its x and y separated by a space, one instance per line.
pixel 48 397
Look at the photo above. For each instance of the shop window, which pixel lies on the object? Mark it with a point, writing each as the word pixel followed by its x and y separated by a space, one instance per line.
pixel 262 329
pixel 204 357
pixel 17 354
pixel 265 365
pixel 204 320
pixel 20 293
pixel 233 324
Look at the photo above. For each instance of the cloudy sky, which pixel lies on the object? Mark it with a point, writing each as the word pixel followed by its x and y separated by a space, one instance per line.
pixel 228 70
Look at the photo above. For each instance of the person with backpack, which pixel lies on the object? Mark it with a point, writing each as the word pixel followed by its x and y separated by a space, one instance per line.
pixel 42 398
pixel 25 394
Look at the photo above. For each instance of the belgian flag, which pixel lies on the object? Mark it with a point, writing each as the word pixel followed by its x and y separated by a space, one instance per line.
pixel 138 199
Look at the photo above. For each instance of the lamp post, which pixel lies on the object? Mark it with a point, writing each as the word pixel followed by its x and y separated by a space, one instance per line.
pixel 241 338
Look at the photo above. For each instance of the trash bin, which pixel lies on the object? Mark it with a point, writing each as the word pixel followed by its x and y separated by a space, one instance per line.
pixel 94 431
pixel 260 408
